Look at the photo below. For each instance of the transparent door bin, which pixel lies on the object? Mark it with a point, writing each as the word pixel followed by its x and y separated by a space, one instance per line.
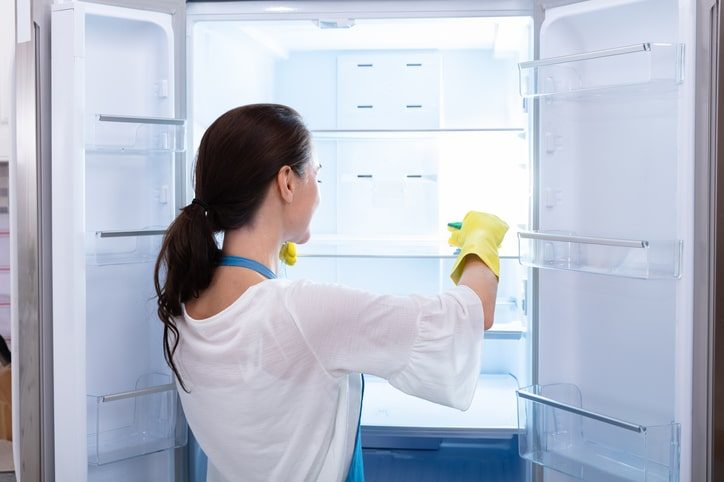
pixel 557 433
pixel 135 135
pixel 141 421
pixel 615 257
pixel 646 64
pixel 123 247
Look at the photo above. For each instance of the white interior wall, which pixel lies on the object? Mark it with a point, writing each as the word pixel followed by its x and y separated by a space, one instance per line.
pixel 122 194
pixel 229 69
pixel 7 52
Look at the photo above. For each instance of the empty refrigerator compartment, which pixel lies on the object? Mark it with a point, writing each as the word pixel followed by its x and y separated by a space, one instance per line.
pixel 628 258
pixel 492 412
pixel 387 187
pixel 134 134
pixel 640 64
pixel 558 433
pixel 140 421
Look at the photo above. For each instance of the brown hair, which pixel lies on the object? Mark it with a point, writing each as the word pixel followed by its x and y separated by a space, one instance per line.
pixel 239 156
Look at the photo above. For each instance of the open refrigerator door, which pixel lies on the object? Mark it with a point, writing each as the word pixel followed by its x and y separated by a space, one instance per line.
pixel 611 243
pixel 118 145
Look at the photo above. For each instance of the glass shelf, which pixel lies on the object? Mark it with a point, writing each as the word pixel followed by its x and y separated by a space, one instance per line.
pixel 321 246
pixel 615 257
pixel 118 134
pixel 557 433
pixel 388 410
pixel 645 63
pixel 141 421
pixel 333 134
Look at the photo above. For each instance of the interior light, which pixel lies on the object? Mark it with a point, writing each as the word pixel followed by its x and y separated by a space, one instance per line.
pixel 280 9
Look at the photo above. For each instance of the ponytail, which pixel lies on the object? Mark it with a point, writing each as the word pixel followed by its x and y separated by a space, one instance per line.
pixel 189 255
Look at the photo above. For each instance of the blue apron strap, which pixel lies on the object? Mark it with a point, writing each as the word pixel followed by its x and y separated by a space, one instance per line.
pixel 356 471
pixel 240 262
pixel 198 462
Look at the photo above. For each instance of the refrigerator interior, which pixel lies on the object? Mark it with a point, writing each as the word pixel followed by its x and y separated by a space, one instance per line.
pixel 415 121
pixel 124 155
pixel 609 242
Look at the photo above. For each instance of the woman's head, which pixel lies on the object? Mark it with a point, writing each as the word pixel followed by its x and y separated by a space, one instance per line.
pixel 251 155
pixel 240 155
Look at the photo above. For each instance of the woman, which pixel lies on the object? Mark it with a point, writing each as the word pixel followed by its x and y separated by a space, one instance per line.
pixel 268 369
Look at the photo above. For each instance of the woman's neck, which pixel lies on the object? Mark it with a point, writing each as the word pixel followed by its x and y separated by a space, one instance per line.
pixel 260 243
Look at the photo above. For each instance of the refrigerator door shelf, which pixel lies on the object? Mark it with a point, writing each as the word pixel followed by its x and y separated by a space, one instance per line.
pixel 123 247
pixel 557 433
pixel 657 65
pixel 135 135
pixel 615 257
pixel 386 410
pixel 141 421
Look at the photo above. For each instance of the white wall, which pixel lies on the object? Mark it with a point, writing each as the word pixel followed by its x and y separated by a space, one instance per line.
pixel 6 52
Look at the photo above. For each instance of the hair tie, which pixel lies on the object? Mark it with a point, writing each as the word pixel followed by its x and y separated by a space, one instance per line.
pixel 202 204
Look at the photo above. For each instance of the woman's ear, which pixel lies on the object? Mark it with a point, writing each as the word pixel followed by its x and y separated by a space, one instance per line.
pixel 286 184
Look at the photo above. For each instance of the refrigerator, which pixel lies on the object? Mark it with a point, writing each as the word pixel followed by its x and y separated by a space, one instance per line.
pixel 576 122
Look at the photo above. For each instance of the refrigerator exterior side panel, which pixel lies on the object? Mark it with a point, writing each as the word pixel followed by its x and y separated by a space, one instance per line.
pixel 706 463
pixel 30 243
pixel 712 419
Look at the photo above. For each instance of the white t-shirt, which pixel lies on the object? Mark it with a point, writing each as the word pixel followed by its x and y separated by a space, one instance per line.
pixel 274 378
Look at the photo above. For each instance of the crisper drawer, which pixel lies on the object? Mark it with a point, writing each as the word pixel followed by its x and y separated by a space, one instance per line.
pixel 558 433
pixel 141 421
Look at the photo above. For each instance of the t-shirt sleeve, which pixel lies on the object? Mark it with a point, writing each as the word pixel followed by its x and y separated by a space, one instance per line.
pixel 428 347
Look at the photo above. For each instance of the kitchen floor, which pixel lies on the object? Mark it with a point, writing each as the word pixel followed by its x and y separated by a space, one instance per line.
pixel 7 477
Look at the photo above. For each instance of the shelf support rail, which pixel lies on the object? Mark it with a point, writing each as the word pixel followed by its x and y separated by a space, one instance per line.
pixel 129 234
pixel 630 49
pixel 137 393
pixel 579 411
pixel 622 243
pixel 140 120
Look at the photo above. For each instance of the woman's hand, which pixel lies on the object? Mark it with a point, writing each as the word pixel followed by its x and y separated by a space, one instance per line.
pixel 478 266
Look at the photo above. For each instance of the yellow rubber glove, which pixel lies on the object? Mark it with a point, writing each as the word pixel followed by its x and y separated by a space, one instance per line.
pixel 480 234
pixel 288 253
